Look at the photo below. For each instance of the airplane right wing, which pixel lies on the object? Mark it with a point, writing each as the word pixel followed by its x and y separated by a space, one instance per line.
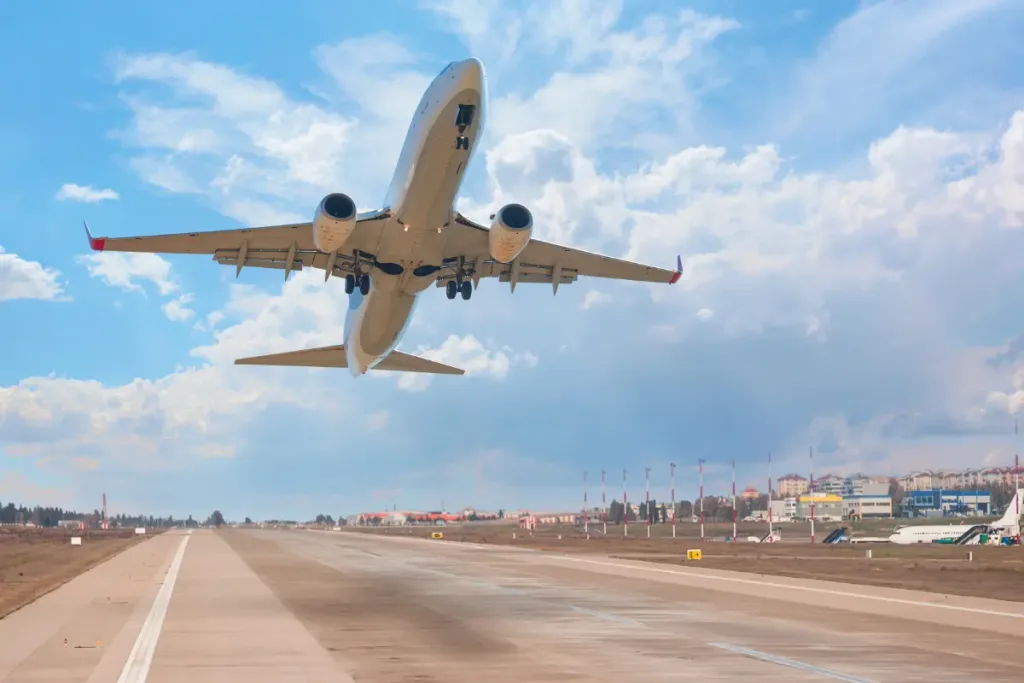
pixel 334 357
pixel 541 262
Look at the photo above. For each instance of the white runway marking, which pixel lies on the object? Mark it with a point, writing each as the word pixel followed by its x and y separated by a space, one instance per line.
pixel 136 669
pixel 792 663
pixel 806 589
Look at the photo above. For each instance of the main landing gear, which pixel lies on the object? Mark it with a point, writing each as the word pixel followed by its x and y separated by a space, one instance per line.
pixel 364 283
pixel 465 288
pixel 463 119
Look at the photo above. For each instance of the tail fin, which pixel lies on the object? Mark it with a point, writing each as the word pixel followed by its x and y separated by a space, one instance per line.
pixel 334 357
pixel 1013 512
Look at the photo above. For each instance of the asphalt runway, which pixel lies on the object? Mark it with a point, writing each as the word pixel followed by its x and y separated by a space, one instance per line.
pixel 277 606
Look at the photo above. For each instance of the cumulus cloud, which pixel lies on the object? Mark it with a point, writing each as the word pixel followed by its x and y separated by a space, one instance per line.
pixel 594 298
pixel 85 193
pixel 21 279
pixel 122 270
pixel 467 353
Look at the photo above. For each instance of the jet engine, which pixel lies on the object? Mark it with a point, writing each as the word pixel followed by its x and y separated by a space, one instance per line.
pixel 334 222
pixel 510 232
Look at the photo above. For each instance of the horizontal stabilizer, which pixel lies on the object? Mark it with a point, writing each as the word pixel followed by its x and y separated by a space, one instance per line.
pixel 334 357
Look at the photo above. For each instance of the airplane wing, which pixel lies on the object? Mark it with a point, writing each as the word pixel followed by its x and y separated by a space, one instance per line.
pixel 540 262
pixel 334 357
pixel 281 247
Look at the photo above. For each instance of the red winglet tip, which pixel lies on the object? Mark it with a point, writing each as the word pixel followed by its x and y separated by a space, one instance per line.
pixel 97 243
pixel 679 271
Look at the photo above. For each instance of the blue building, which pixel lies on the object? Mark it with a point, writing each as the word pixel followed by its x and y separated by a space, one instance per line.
pixel 947 502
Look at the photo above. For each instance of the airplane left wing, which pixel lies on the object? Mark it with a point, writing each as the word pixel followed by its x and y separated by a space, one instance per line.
pixel 541 262
pixel 281 247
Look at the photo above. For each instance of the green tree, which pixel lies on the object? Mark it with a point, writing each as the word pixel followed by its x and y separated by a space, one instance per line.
pixel 216 519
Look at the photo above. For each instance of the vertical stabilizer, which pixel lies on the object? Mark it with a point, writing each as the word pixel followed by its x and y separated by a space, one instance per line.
pixel 1013 512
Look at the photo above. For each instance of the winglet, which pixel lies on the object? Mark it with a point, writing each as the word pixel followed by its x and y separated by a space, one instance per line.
pixel 679 270
pixel 95 243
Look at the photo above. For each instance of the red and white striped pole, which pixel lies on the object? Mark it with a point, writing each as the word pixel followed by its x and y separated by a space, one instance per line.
pixel 647 504
pixel 625 517
pixel 604 508
pixel 770 533
pixel 672 470
pixel 734 499
pixel 1016 475
pixel 700 466
pixel 810 488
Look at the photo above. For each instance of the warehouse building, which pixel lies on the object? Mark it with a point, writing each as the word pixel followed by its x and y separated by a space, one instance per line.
pixel 947 502
pixel 867 506
pixel 826 506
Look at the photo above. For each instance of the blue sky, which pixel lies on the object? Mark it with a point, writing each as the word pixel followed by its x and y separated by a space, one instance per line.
pixel 845 181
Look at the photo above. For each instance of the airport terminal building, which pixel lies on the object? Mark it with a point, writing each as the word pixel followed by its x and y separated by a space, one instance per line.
pixel 867 506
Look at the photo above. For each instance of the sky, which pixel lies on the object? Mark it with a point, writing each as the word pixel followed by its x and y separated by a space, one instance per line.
pixel 844 182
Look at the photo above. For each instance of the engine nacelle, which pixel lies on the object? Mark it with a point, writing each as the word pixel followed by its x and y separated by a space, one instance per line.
pixel 510 232
pixel 334 222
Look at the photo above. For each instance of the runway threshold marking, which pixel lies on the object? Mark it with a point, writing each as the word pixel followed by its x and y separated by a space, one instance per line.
pixel 136 669
pixel 806 589
pixel 792 663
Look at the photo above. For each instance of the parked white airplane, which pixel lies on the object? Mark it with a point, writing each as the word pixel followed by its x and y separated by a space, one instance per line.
pixel 390 255
pixel 925 533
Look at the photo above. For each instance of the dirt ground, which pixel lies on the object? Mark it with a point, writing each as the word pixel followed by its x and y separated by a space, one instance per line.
pixel 991 572
pixel 35 561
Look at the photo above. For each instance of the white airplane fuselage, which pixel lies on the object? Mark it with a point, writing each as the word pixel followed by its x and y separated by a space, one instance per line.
pixel 420 201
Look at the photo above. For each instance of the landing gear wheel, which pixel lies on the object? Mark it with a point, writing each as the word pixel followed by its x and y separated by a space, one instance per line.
pixel 350 283
pixel 364 284
pixel 451 289
pixel 462 142
pixel 467 289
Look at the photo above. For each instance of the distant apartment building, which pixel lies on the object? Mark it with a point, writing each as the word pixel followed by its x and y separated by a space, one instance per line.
pixel 866 486
pixel 967 479
pixel 832 484
pixel 792 485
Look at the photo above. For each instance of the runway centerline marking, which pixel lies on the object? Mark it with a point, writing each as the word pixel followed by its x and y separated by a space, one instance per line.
pixel 791 663
pixel 806 589
pixel 136 669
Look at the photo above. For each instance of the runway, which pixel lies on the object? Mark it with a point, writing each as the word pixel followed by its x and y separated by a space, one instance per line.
pixel 277 606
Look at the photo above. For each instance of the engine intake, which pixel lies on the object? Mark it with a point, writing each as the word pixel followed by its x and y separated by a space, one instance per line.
pixel 510 232
pixel 334 222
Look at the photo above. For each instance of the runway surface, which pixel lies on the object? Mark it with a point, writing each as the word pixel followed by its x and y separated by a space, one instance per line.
pixel 316 606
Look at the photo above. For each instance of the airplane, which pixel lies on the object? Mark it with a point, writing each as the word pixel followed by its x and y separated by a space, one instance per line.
pixel 390 255
pixel 928 533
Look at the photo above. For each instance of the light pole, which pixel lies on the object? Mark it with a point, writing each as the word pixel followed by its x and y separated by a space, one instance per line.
pixel 810 488
pixel 586 515
pixel 770 534
pixel 647 503
pixel 604 508
pixel 734 499
pixel 672 471
pixel 625 517
pixel 700 465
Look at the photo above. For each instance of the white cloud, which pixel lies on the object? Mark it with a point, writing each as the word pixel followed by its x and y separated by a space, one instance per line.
pixel 121 270
pixel 85 193
pixel 594 298
pixel 21 279
pixel 705 314
pixel 467 353
pixel 178 310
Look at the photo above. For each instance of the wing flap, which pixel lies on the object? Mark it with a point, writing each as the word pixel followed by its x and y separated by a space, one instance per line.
pixel 334 357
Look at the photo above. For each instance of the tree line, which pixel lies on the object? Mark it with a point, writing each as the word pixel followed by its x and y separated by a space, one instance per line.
pixel 46 516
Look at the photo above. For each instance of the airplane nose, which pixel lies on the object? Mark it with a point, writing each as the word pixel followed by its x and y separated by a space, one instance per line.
pixel 472 70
